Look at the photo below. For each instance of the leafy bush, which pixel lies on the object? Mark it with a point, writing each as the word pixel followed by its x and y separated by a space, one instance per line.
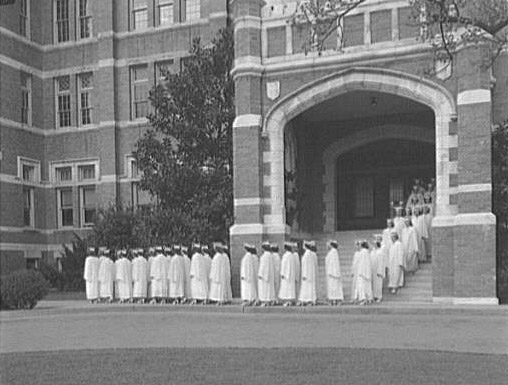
pixel 73 262
pixel 52 275
pixel 23 289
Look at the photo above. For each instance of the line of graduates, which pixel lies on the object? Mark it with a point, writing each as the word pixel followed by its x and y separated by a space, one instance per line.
pixel 168 275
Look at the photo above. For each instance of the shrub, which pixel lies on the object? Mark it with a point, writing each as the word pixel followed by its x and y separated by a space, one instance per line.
pixel 52 275
pixel 23 289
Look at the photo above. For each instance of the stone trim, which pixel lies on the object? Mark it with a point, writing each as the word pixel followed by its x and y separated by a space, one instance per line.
pixel 475 219
pixel 466 300
pixel 468 188
pixel 248 201
pixel 247 120
pixel 258 228
pixel 398 83
pixel 474 97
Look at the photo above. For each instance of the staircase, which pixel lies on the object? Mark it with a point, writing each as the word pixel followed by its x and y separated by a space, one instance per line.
pixel 418 287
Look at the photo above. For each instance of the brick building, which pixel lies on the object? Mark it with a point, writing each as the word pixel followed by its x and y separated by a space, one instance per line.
pixel 354 127
pixel 74 79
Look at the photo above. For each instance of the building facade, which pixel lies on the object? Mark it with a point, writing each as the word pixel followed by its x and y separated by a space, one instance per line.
pixel 346 131
pixel 75 76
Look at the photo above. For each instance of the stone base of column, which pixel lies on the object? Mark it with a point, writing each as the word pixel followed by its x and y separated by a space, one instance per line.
pixel 464 259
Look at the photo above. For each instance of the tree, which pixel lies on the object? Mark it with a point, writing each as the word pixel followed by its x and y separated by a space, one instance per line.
pixel 446 24
pixel 186 157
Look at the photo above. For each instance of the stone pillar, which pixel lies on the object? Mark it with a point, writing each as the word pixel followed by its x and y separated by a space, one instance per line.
pixel 475 225
pixel 247 127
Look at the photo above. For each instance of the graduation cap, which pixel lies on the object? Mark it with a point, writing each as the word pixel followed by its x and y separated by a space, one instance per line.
pixel 91 250
pixel 123 252
pixel 288 246
pixel 205 248
pixel 166 249
pixel 218 246
pixel 106 251
pixel 158 249
pixel 151 250
pixel 118 253
pixel 311 245
pixel 274 248
pixel 333 243
pixel 378 237
pixel 185 249
pixel 266 246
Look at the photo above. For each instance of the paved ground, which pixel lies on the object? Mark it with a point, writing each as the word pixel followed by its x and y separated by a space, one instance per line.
pixel 117 344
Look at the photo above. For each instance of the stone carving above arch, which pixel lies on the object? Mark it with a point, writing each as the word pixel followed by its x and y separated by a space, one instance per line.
pixel 349 143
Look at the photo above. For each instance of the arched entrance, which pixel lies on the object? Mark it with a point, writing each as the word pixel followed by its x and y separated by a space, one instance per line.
pixel 422 92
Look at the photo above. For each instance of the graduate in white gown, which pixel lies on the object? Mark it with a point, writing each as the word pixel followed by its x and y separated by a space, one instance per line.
pixel 409 241
pixel 139 277
pixel 378 266
pixel 266 276
pixel 334 291
pixel 158 276
pixel 363 275
pixel 198 276
pixel 168 254
pixel 398 221
pixel 176 276
pixel 91 276
pixel 423 235
pixel 296 258
pixel 309 269
pixel 220 277
pixel 249 267
pixel 205 249
pixel 289 275
pixel 106 276
pixel 151 256
pixel 124 277
pixel 395 264
pixel 428 222
pixel 276 268
pixel 354 270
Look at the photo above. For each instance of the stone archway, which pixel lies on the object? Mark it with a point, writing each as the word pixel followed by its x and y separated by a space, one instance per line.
pixel 359 79
pixel 349 143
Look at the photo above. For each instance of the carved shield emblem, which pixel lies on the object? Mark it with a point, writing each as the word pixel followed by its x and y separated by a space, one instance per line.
pixel 273 90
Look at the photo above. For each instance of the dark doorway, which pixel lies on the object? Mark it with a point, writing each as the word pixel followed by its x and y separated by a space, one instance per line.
pixel 372 176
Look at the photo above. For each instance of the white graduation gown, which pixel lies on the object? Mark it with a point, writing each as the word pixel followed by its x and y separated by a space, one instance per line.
pixel 249 277
pixel 333 276
pixel 396 265
pixel 266 277
pixel 187 264
pixel 409 241
pixel 91 277
pixel 276 272
pixel 149 277
pixel 106 277
pixel 289 274
pixel 296 261
pixel 308 289
pixel 139 277
pixel 158 276
pixel 399 224
pixel 363 276
pixel 124 278
pixel 167 263
pixel 428 241
pixel 423 235
pixel 176 276
pixel 378 269
pixel 199 277
pixel 220 278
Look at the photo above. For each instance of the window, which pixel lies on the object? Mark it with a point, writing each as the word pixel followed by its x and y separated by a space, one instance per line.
pixel 62 20
pixel 364 197
pixel 88 205
pixel 28 172
pixel 24 18
pixel 63 174
pixel 65 208
pixel 139 91
pixel 166 12
pixel 86 172
pixel 26 98
pixel 63 101
pixel 28 207
pixel 133 170
pixel 139 14
pixel 162 69
pixel 192 10
pixel 85 19
pixel 85 86
pixel 141 199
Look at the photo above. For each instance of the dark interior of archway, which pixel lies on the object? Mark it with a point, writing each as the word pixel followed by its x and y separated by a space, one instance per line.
pixel 372 176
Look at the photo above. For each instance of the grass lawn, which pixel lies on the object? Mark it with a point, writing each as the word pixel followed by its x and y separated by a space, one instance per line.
pixel 251 366
pixel 55 295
